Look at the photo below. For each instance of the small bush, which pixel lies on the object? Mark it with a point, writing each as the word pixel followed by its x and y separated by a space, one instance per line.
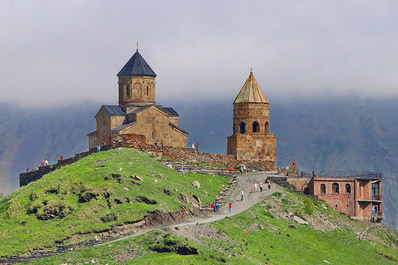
pixel 277 194
pixel 87 196
pixel 110 217
pixel 33 196
pixel 308 206
pixel 268 214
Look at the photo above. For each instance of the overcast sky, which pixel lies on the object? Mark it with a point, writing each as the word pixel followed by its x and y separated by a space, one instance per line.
pixel 58 52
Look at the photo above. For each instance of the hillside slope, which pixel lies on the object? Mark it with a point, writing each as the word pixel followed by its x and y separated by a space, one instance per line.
pixel 318 133
pixel 264 234
pixel 95 194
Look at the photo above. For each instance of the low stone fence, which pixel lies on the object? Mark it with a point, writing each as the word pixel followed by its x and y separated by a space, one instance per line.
pixel 26 177
pixel 188 154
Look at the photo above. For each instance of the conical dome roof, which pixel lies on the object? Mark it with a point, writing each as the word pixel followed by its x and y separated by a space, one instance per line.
pixel 137 66
pixel 251 92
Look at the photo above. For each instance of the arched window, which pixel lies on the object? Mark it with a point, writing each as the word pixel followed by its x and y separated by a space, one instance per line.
pixel 147 90
pixel 335 206
pixel 347 188
pixel 128 90
pixel 323 188
pixel 153 134
pixel 256 127
pixel 266 127
pixel 242 127
pixel 335 188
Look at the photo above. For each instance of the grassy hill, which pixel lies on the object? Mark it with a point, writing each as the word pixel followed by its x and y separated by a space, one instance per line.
pixel 95 194
pixel 264 234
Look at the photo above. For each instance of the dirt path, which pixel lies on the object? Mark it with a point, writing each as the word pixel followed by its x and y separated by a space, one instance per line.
pixel 245 182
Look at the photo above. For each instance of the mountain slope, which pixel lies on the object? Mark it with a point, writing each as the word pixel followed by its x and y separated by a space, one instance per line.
pixel 264 234
pixel 95 194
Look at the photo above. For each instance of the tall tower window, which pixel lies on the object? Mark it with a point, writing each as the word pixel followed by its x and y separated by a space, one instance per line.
pixel 128 90
pixel 242 127
pixel 153 134
pixel 147 90
pixel 266 127
pixel 256 127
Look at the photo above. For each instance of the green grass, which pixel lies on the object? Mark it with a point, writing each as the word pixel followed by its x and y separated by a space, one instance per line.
pixel 23 227
pixel 255 236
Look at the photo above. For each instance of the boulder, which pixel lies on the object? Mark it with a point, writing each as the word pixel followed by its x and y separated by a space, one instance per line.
pixel 196 184
pixel 300 220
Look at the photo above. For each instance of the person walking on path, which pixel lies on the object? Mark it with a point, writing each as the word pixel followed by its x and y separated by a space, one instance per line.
pixel 230 208
pixel 242 194
pixel 261 187
pixel 269 184
pixel 255 186
pixel 217 206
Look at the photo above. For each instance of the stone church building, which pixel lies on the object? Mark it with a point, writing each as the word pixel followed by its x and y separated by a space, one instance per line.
pixel 251 138
pixel 137 112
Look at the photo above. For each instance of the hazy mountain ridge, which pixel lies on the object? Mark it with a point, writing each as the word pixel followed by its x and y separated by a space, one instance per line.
pixel 333 134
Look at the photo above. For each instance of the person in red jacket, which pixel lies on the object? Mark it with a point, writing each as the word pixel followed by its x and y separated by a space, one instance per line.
pixel 230 207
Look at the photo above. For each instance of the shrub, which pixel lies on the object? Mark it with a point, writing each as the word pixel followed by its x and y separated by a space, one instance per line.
pixel 110 217
pixel 308 206
pixel 277 194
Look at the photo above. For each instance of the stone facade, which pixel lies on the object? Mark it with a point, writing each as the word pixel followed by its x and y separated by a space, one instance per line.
pixel 251 139
pixel 137 112
pixel 136 90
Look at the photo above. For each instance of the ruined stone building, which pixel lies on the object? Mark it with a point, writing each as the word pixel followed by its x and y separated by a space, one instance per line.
pixel 359 195
pixel 137 112
pixel 251 138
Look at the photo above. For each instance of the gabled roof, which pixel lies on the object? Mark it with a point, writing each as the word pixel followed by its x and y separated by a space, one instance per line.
pixel 137 66
pixel 123 126
pixel 171 111
pixel 251 92
pixel 114 110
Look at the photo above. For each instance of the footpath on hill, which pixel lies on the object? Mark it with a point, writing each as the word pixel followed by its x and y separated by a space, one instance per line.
pixel 245 182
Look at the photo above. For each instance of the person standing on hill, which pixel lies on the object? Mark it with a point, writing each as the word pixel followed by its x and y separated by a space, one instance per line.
pixel 269 184
pixel 230 208
pixel 242 194
pixel 261 187
pixel 197 147
pixel 255 186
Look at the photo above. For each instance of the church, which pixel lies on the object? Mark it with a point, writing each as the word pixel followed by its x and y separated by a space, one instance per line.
pixel 137 112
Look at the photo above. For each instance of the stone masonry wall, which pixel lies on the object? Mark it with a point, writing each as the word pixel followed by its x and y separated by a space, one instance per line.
pixel 188 154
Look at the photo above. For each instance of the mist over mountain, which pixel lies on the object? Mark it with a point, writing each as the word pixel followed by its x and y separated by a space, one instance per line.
pixel 332 134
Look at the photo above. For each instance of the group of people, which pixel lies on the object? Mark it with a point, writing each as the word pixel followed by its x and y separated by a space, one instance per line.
pixel 43 163
pixel 256 187
pixel 260 186
pixel 195 147
pixel 216 207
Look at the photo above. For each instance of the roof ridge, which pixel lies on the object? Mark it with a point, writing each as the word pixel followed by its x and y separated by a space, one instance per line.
pixel 251 92
pixel 137 65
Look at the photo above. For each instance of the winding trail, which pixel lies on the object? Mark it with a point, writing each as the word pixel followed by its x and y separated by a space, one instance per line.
pixel 245 182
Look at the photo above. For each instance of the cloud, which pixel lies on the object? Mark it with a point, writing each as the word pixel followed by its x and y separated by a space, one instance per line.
pixel 61 52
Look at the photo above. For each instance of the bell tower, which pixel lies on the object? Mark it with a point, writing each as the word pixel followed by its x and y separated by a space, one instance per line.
pixel 136 82
pixel 251 138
